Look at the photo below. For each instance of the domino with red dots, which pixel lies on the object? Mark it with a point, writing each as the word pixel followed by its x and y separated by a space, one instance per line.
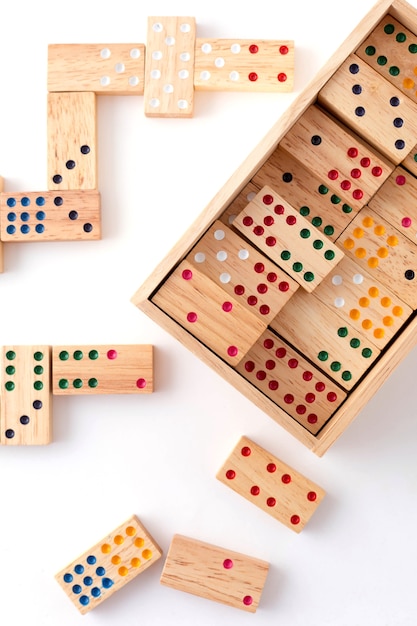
pixel 109 565
pixel 214 573
pixel 50 216
pixel 287 238
pixel 384 252
pixel 372 107
pixel 242 271
pixel 350 167
pixel 98 369
pixel 243 65
pixel 257 475
pixel 289 380
pixel 221 322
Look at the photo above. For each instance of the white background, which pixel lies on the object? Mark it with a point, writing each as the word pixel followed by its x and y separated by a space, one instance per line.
pixel 157 455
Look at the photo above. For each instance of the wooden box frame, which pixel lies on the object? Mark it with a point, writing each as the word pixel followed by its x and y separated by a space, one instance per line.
pixel 404 341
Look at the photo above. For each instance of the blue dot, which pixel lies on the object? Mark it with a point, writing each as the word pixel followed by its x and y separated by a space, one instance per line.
pixel 354 68
pixel 77 589
pixel 25 201
pixel 40 215
pixel 11 230
pixel 79 569
pixel 95 592
pixel 84 600
pixel 25 216
pixel 398 122
pixel 100 571
pixel 360 111
pixel 88 581
pixel 394 101
pixel 91 560
pixel 39 228
pixel 11 202
pixel 357 89
pixel 107 583
pixel 40 201
pixel 11 217
pixel 24 229
pixel 68 578
pixel 400 144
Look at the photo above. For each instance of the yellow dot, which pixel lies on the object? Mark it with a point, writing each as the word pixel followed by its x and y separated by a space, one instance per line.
pixel 392 240
pixel 379 230
pixel 358 233
pixel 118 540
pixel 105 548
pixel 397 311
pixel 385 301
pixel 116 559
pixel 373 262
pixel 367 222
pixel 379 333
pixel 387 321
pixel 383 253
pixel 147 554
pixel 130 531
pixel 408 83
pixel 349 244
pixel 366 324
pixel 139 542
pixel 364 302
pixel 123 571
pixel 361 253
pixel 135 562
pixel 355 314
pixel 373 292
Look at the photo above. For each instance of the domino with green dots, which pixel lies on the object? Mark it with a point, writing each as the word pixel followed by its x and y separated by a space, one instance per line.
pixel 102 369
pixel 25 398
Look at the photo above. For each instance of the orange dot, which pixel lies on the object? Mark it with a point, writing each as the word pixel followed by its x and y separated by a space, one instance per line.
pixel 123 571
pixel 105 548
pixel 366 324
pixel 385 301
pixel 355 314
pixel 408 83
pixel 397 311
pixel 116 559
pixel 358 233
pixel 383 253
pixel 364 302
pixel 373 262
pixel 387 321
pixel 135 562
pixel 415 71
pixel 379 333
pixel 373 292
pixel 147 554
pixel 361 253
pixel 130 531
pixel 349 244
pixel 367 222
pixel 392 240
pixel 139 542
pixel 118 540
pixel 379 230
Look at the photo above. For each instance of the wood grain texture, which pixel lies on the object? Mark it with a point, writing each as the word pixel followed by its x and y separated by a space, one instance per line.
pixel 272 485
pixel 169 67
pixel 410 161
pixel 109 565
pixel 106 69
pixel 244 65
pixel 50 216
pixel 25 397
pixel 102 369
pixel 214 573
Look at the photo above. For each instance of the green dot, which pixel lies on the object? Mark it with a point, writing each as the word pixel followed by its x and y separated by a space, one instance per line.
pixel 92 382
pixel 342 331
pixel 415 157
pixel 412 48
pixel 297 266
pixel 346 375
pixel 63 355
pixel 335 366
pixel 318 244
pixel 78 355
pixel 329 255
pixel 38 385
pixel 394 70
pixel 401 37
pixel 93 355
pixel 370 50
pixel 329 230
pixel 355 343
pixel 63 383
pixel 317 222
pixel 366 353
pixel 285 255
pixel 381 60
pixel 10 355
pixel 309 277
pixel 323 355
pixel 323 190
pixel 38 369
pixel 389 29
pixel 305 233
pixel 346 208
pixel 304 211
pixel 38 356
pixel 78 383
pixel 10 370
pixel 335 199
pixel 9 385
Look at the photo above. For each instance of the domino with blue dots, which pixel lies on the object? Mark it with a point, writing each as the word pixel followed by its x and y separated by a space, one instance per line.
pixel 50 216
pixel 109 565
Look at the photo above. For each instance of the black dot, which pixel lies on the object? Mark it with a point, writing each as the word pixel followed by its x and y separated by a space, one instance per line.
pixel 400 144
pixel 409 274
pixel 70 164
pixel 37 404
pixel 398 122
pixel 360 111
pixel 9 433
pixel 287 177
pixel 394 101
pixel 85 149
pixel 354 68
pixel 24 420
pixel 316 140
pixel 57 179
pixel 357 89
pixel 73 215
pixel 88 227
pixel 58 201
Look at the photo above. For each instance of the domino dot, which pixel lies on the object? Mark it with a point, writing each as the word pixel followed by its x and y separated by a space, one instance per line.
pixel 170 41
pixel 268 344
pixel 253 77
pixel 352 153
pixel 9 433
pixel 11 202
pixel 270 241
pixel 258 230
pixel 169 88
pixel 77 589
pixel 182 104
pixel 68 578
pixel 269 220
pixel 63 383
pixel 141 383
pixel 307 376
pixel 25 217
pixel 245 451
pixel 57 179
pixel 227 563
pixel 247 600
pixel 219 62
pixel 234 75
pixel 260 375
pixel 24 420
pixel 232 351
pixel 320 386
pixel 288 398
pixel 283 285
pixel 107 583
pixel 227 307
pixel 310 398
pixel 293 363
pixel 183 74
pixel 357 194
pixel 273 385
pixel 374 292
pixel 253 48
pixel 262 288
pixel 398 122
pixel 10 370
pixel 11 217
pixel 271 502
pixel 311 496
pixel 123 571
pixel 88 581
pixel 206 48
pixel 225 278
pixel 316 221
pixel 9 386
pixel 279 209
pixel 300 409
pixel 282 77
pixel 230 474
pixel 412 48
pixel 297 267
pixel 70 164
pixel 354 68
pixel 323 355
pixel 135 562
pixel 312 418
pixel 295 519
pixel 345 185
pixel 255 491
pixel 271 468
pixel 147 554
pixel 400 144
pixel 382 60
pixel 119 68
pixel 154 103
pixel 79 569
pixel 95 592
pixel 280 353
pixel 156 74
pixel 360 111
pixel 38 385
pixel 367 325
pixel 270 364
pixel 357 90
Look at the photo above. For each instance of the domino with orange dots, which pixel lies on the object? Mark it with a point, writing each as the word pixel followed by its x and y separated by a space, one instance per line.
pixel 214 573
pixel 109 565
pixel 257 475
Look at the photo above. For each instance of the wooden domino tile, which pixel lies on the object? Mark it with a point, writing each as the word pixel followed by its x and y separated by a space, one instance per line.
pixel 350 167
pixel 242 271
pixel 243 65
pixel 50 216
pixel 106 69
pixel 384 252
pixel 391 50
pixel 169 67
pixel 287 238
pixel 25 397
pixel 109 565
pixel 332 344
pixel 362 301
pixel 410 161
pixel 396 202
pixel 270 484
pixel 220 321
pixel 98 369
pixel 72 141
pixel 289 380
pixel 214 573
pixel 372 107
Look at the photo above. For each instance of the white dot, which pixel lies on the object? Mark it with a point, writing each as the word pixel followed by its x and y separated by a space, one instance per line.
pixel 219 62
pixel 182 104
pixel 157 27
pixel 221 255
pixel 134 53
pixel 155 74
pixel 206 48
pixel 234 75
pixel 250 196
pixel 170 41
pixel 235 48
pixel 357 279
pixel 205 75
pixel 105 53
pixel 219 234
pixel 119 68
pixel 185 28
pixel 231 219
pixel 199 257
pixel 105 81
pixel 133 81
pixel 225 278
pixel 183 73
pixel 168 88
pixel 243 254
pixel 337 280
pixel 339 302
pixel 154 103
pixel 157 55
pixel 185 56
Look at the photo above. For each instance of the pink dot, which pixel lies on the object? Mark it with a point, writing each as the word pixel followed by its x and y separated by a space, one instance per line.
pixel 259 268
pixel 345 185
pixel 295 519
pixel 320 386
pixel 141 383
pixel 230 474
pixel 260 375
pixel 271 468
pixel 245 451
pixel 273 385
pixel 307 375
pixel 406 222
pixel 239 290
pixel 267 199
pixel 365 162
pixel 283 286
pixel 356 173
pixel 187 274
pixel 282 77
pixel 262 288
pixel 286 478
pixel 255 491
pixel 271 277
pixel 279 209
pixel 288 398
pixel 232 351
pixel 280 353
pixel 191 317
pixel 264 309
pixel 227 306
pixel 112 354
pixel 270 241
pixel 292 363
pixel 312 418
pixel 311 496
pixel 291 220
pixel 283 49
pixel 332 396
pixel 252 300
pixel 268 220
pixel 258 230
pixel 400 180
pixel 300 409
pixel 310 398
pixel 376 171
pixel 271 502
pixel 247 600
pixel 228 564
pixel 353 153
pixel 268 343
pixel 247 220
pixel 270 364
pixel 249 366
pixel 333 174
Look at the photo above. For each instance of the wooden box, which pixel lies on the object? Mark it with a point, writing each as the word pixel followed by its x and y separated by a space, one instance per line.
pixel 266 165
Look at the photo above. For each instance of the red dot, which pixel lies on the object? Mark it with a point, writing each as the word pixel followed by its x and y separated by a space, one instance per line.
pixel 295 519
pixel 286 478
pixel 377 171
pixel 357 194
pixel 356 173
pixel 400 180
pixel 271 277
pixel 141 383
pixel 255 491
pixel 268 344
pixel 270 241
pixel 281 352
pixel 258 230
pixel 273 385
pixel 249 366
pixel 264 309
pixel 268 220
pixel 252 300
pixel 406 222
pixel 239 290
pixel 232 351
pixel 267 199
pixel 300 409
pixel 245 451
pixel 187 274
pixel 333 174
pixel 271 502
pixel 227 563
pixel 283 286
pixel 345 185
pixel 332 396
pixel 253 48
pixel 112 354
pixel 283 49
pixel 230 474
pixel 353 153
pixel 247 600
pixel 365 162
pixel 288 398
pixel 279 209
pixel 227 306
pixel 312 418
pixel 311 496
pixel 320 386
pixel 282 77
pixel 253 76
pixel 291 220
pixel 310 398
pixel 271 468
pixel 262 288
pixel 259 268
pixel 247 221
pixel 307 375
pixel 260 375
pixel 270 364
pixel 191 317
pixel 292 363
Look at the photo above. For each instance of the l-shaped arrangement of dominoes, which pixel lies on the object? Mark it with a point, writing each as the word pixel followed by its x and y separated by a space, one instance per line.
pixel 297 283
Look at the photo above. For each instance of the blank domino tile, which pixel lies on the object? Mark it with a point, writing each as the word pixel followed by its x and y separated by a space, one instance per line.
pixel 391 50
pixel 364 302
pixel 105 69
pixel 305 192
pixel 109 565
pixel 273 486
pixel 289 380
pixel 243 65
pixel 25 399
pixel 287 238
pixel 384 252
pixel 333 344
pixel 202 307
pixel 72 130
pixel 242 271
pixel 214 573
pixel 343 161
pixel 372 107
pixel 50 216
pixel 97 369
pixel 169 67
